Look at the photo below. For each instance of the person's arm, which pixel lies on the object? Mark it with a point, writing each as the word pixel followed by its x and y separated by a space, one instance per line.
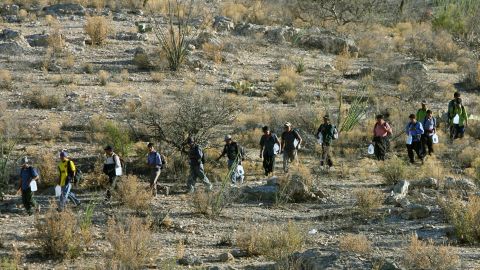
pixel 318 131
pixel 118 164
pixel 262 145
pixel 35 175
pixel 223 153
pixel 59 175
pixel 418 114
pixel 299 138
pixel 407 129
pixel 419 128
pixel 20 183
pixel 465 115
pixel 388 128
pixel 282 143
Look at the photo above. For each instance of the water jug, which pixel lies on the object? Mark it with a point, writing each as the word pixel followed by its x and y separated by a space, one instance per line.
pixel 371 149
pixel 435 138
pixel 33 185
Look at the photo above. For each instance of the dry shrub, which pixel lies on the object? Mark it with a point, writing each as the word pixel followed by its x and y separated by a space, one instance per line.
pixel 157 76
pixel 213 52
pixel 288 84
pixel 98 28
pixel 472 75
pixel 234 10
pixel 426 255
pixel 464 216
pixel 5 79
pixel 46 163
pixel 87 68
pixel 41 99
pixel 251 138
pixel 131 193
pixel 103 77
pixel 368 200
pixel 51 21
pixel 468 155
pixel 124 75
pixel 343 61
pixel 393 170
pixel 131 243
pixel 49 130
pixel 276 242
pixel 357 243
pixel 57 234
pixel 55 40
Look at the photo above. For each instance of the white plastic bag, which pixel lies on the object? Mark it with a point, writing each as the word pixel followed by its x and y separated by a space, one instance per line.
pixel 118 171
pixel 456 119
pixel 58 191
pixel 240 173
pixel 371 149
pixel 295 144
pixel 435 138
pixel 409 139
pixel 33 185
pixel 276 149
pixel 320 139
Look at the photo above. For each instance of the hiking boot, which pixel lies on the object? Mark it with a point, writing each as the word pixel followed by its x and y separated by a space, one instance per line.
pixel 37 208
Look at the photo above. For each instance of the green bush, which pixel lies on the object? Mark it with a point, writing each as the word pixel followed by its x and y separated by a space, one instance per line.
pixel 393 170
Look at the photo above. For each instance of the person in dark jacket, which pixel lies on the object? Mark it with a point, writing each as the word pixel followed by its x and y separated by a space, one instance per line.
pixel 267 149
pixel 112 167
pixel 27 175
pixel 289 146
pixel 235 155
pixel 326 131
pixel 197 160
pixel 415 129
pixel 154 162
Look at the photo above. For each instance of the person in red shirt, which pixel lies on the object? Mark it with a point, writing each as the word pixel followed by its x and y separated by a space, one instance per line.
pixel 381 130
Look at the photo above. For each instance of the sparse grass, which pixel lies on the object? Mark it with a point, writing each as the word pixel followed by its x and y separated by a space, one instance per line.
pixel 57 234
pixel 131 193
pixel 103 77
pixel 88 68
pixel 288 84
pixel 393 170
pixel 472 75
pixel 343 62
pixel 157 76
pixel 6 80
pixel 55 40
pixel 427 255
pixel 213 52
pixel 98 28
pixel 368 200
pixel 124 75
pixel 468 155
pixel 131 243
pixel 464 216
pixel 43 100
pixel 275 242
pixel 357 243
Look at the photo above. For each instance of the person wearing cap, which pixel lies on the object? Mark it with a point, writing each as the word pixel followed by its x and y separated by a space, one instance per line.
pixel 27 175
pixel 457 128
pixel 112 167
pixel 267 149
pixel 430 128
pixel 67 170
pixel 381 131
pixel 235 155
pixel 197 160
pixel 422 112
pixel 414 129
pixel 327 131
pixel 288 146
pixel 451 105
pixel 154 162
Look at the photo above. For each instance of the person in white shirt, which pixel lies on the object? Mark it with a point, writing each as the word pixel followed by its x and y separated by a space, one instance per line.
pixel 112 167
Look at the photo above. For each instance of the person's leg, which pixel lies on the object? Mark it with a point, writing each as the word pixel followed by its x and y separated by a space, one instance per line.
pixel 153 180
pixel 26 201
pixel 203 177
pixel 272 164
pixel 376 147
pixel 329 156
pixel 460 131
pixel 430 145
pixel 64 196
pixel 410 153
pixel 285 161
pixel 191 179
pixel 423 144
pixel 265 165
pixel 382 147
pixel 324 155
pixel 72 197
pixel 417 146
pixel 232 171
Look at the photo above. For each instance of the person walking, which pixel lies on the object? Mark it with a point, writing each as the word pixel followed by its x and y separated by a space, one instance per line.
pixel 197 160
pixel 430 128
pixel 154 162
pixel 381 131
pixel 326 131
pixel 235 154
pixel 112 167
pixel 289 146
pixel 27 175
pixel 422 112
pixel 459 121
pixel 451 105
pixel 415 130
pixel 67 170
pixel 267 149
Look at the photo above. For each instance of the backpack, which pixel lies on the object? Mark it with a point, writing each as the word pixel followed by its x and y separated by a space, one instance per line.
pixel 78 176
pixel 163 159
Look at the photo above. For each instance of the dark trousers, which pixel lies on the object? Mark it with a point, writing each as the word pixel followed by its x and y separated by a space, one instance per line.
pixel 326 156
pixel 28 200
pixel 112 181
pixel 417 147
pixel 456 131
pixel 268 163
pixel 427 144
pixel 380 146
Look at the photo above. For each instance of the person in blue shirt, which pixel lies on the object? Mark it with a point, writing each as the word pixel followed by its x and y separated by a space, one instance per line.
pixel 415 129
pixel 154 162
pixel 197 159
pixel 430 127
pixel 27 175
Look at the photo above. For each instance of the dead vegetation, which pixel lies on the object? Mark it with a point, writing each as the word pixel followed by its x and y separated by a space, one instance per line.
pixel 132 194
pixel 357 243
pixel 426 255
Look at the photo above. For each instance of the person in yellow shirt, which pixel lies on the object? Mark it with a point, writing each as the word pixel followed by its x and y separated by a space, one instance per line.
pixel 67 170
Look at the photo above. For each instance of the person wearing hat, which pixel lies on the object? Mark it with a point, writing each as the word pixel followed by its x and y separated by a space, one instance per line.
pixel 451 105
pixel 154 162
pixel 288 146
pixel 112 167
pixel 422 112
pixel 67 170
pixel 197 160
pixel 27 175
pixel 267 149
pixel 415 129
pixel 327 132
pixel 457 128
pixel 235 154
pixel 381 131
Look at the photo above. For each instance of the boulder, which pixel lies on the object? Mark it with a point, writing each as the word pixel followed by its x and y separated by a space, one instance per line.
pixel 299 192
pixel 65 9
pixel 425 183
pixel 459 184
pixel 401 187
pixel 130 36
pixel 280 35
pixel 143 27
pixel 206 37
pixel 398 196
pixel 10 35
pixel 11 48
pixel 328 42
pixel 248 29
pixel 221 267
pixel 261 193
pixel 417 211
pixel 188 260
pixel 37 40
pixel 9 10
pixel 222 23
pixel 226 257
pixel 317 259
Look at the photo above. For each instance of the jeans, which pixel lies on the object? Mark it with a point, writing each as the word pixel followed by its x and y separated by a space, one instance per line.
pixel 326 156
pixel 67 194
pixel 154 175
pixel 197 171
pixel 417 147
pixel 268 163
pixel 288 157
pixel 427 144
pixel 28 200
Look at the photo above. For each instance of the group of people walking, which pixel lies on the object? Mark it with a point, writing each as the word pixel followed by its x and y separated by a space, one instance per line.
pixel 420 130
